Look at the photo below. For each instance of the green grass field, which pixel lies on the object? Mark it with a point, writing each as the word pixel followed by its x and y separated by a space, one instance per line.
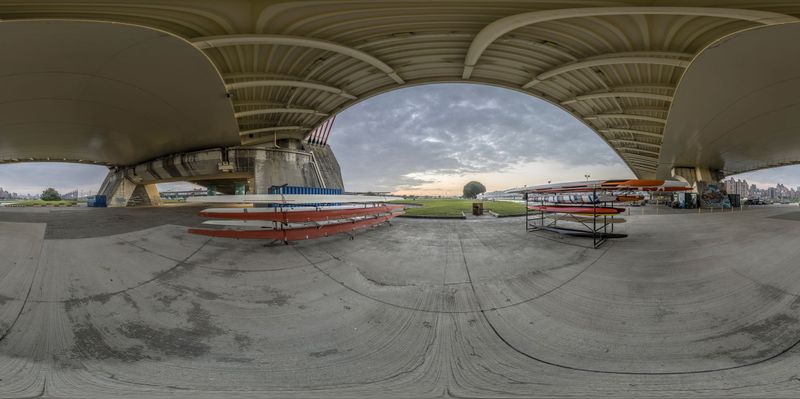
pixel 44 203
pixel 452 207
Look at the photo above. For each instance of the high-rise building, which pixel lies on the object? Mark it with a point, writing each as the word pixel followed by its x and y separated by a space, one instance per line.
pixel 740 187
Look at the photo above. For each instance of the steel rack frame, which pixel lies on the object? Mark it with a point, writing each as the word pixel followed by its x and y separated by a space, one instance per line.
pixel 536 220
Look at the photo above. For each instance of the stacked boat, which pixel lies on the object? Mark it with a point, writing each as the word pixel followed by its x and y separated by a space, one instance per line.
pixel 590 207
pixel 293 217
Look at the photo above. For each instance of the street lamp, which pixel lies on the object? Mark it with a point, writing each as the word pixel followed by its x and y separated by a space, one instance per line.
pixel 587 177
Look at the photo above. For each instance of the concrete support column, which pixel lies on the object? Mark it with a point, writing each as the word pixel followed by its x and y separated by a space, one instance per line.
pixel 693 175
pixel 286 165
pixel 121 191
pixel 707 184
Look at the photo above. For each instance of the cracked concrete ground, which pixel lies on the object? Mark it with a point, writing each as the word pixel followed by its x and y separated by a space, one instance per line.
pixel 688 304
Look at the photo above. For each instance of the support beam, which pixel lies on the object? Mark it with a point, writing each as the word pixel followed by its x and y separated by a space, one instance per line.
pixel 634 142
pixel 208 42
pixel 640 158
pixel 263 111
pixel 642 166
pixel 637 150
pixel 289 83
pixel 610 59
pixel 502 26
pixel 631 131
pixel 618 94
pixel 626 116
pixel 272 129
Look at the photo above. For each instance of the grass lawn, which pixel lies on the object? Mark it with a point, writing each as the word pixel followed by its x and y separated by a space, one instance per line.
pixel 44 203
pixel 454 207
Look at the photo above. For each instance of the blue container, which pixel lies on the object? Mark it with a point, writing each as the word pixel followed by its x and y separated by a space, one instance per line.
pixel 305 191
pixel 96 201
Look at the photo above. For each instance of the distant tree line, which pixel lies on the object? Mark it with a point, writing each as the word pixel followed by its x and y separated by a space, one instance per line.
pixel 51 195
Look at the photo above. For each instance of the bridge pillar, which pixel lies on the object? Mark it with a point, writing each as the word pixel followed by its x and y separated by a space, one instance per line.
pixel 122 191
pixel 707 183
pixel 694 174
pixel 295 164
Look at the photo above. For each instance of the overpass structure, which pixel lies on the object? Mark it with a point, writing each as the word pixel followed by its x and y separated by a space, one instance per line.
pixel 282 68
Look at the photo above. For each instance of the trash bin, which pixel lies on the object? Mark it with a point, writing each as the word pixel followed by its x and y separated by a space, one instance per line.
pixel 477 208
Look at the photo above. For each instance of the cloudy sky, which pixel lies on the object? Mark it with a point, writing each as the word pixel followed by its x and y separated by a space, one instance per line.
pixel 432 139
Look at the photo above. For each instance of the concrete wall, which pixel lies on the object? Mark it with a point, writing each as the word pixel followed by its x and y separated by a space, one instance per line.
pixel 284 166
pixel 328 165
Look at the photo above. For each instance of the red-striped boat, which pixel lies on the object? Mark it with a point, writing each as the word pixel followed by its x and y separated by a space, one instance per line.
pixel 583 210
pixel 290 215
pixel 305 232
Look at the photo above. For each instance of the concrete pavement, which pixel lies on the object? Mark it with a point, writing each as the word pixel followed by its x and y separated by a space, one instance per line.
pixel 700 305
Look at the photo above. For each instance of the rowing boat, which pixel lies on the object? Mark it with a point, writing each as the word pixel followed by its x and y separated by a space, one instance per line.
pixel 292 199
pixel 296 233
pixel 304 214
pixel 591 210
pixel 604 185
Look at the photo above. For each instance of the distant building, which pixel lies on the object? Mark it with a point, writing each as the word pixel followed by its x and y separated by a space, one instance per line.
pixel 72 195
pixel 739 187
pixel 780 192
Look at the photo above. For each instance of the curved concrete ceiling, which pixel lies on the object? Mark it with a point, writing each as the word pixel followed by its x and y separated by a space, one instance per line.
pixel 737 106
pixel 612 64
pixel 108 93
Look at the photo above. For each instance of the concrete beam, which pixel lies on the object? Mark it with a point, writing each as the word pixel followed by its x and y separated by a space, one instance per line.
pixel 626 116
pixel 208 42
pixel 263 111
pixel 502 26
pixel 631 131
pixel 272 129
pixel 289 83
pixel 618 94
pixel 634 142
pixel 637 150
pixel 609 59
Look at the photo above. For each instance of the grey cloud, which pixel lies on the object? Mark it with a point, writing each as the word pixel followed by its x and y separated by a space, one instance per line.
pixel 32 178
pixel 456 128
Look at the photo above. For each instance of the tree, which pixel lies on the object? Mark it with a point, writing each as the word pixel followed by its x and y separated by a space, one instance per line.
pixel 473 188
pixel 51 195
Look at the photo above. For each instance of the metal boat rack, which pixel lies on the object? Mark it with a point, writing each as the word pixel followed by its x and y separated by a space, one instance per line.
pixel 600 229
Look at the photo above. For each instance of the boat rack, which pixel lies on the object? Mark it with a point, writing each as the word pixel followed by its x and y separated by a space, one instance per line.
pixel 295 217
pixel 600 229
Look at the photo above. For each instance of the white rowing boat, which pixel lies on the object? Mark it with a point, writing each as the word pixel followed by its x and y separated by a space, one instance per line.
pixel 291 199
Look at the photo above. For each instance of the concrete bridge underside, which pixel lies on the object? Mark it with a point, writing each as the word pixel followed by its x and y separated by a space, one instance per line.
pixel 736 108
pixel 288 66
